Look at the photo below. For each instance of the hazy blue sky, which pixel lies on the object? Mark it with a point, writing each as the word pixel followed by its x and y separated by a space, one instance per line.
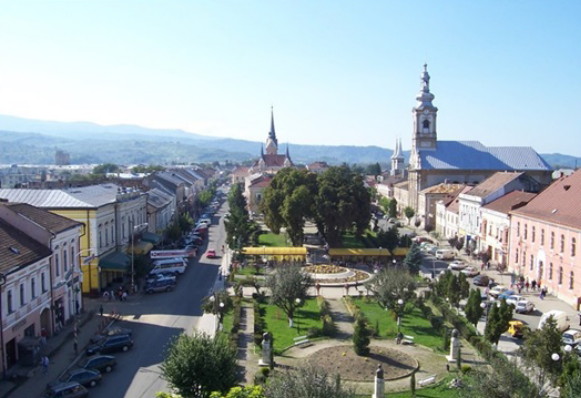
pixel 337 72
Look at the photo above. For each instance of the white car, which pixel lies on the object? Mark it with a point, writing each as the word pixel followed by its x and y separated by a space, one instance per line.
pixel 470 271
pixel 571 337
pixel 457 265
pixel 497 291
pixel 514 299
pixel 524 306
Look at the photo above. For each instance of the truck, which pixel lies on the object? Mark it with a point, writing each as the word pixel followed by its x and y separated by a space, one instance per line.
pixel 189 252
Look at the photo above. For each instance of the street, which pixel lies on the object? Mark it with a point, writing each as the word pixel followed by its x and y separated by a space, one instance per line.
pixel 156 319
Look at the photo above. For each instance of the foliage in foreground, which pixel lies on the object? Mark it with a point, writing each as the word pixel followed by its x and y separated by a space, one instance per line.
pixel 306 382
pixel 197 365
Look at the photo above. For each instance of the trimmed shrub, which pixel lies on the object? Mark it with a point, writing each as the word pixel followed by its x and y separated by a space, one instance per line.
pixel 329 327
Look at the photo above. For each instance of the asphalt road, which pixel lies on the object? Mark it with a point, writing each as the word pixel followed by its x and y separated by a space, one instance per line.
pixel 156 319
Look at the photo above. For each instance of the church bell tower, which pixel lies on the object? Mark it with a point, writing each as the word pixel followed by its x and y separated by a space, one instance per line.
pixel 424 114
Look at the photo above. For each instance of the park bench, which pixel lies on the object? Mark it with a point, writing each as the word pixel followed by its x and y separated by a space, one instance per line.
pixel 301 341
pixel 408 340
pixel 427 381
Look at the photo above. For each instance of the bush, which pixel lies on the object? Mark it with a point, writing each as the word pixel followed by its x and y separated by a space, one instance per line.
pixel 436 321
pixel 314 332
pixel 329 328
pixel 465 369
pixel 258 324
pixel 361 336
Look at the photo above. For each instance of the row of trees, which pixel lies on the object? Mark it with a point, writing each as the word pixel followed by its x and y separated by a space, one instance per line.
pixel 336 200
pixel 239 228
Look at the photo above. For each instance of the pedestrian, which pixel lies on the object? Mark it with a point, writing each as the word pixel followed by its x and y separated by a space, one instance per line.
pixel 106 295
pixel 111 295
pixel 124 296
pixel 527 286
pixel 539 285
pixel 76 346
pixel 519 287
pixel 542 295
pixel 44 363
pixel 43 336
pixel 534 285
pixel 488 265
pixel 101 310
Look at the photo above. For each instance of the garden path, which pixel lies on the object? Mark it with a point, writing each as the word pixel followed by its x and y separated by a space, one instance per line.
pixel 245 356
pixel 343 320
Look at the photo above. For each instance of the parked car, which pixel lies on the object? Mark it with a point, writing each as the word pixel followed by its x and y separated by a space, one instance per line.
pixel 111 330
pixel 444 254
pixel 102 363
pixel 164 285
pixel 85 377
pixel 560 317
pixel 513 299
pixel 111 344
pixel 506 294
pixel 457 265
pixel 66 390
pixel 497 290
pixel 481 280
pixel 517 328
pixel 470 271
pixel 162 276
pixel 211 253
pixel 524 306
pixel 571 337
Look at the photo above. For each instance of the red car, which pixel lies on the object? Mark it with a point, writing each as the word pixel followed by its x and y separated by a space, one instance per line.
pixel 211 254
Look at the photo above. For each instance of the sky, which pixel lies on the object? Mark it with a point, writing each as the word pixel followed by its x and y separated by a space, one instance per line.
pixel 506 73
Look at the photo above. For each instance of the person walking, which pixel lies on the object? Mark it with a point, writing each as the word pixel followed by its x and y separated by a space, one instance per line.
pixel 44 361
pixel 534 285
pixel 101 310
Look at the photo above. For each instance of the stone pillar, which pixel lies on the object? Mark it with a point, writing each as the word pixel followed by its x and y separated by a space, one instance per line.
pixel 379 385
pixel 266 359
pixel 454 346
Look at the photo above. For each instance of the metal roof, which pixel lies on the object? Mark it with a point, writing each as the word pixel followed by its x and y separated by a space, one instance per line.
pixel 472 155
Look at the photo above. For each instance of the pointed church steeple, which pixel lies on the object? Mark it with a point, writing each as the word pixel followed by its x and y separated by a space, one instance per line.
pixel 271 141
pixel 424 113
pixel 397 160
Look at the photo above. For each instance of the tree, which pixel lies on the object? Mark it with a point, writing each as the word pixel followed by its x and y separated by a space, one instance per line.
pixel 571 386
pixel 106 168
pixel 373 169
pixel 361 335
pixel 392 284
pixel 342 203
pixel 392 208
pixel 147 169
pixel 409 212
pixel 473 309
pixel 497 322
pixel 239 229
pixel 413 259
pixel 502 379
pixel 241 392
pixel 388 239
pixel 307 381
pixel 384 204
pixel 287 285
pixel 197 365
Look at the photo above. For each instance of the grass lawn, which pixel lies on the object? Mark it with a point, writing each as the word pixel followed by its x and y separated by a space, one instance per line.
pixel 272 240
pixel 350 241
pixel 277 323
pixel 439 391
pixel 249 270
pixel 412 323
pixel 227 321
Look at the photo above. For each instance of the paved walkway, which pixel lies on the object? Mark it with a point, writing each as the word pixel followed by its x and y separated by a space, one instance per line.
pixel 342 318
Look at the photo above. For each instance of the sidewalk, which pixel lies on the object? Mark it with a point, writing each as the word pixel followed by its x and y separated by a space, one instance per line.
pixel 31 382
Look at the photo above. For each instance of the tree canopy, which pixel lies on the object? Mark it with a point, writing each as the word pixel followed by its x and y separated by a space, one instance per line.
pixel 197 365
pixel 306 382
pixel 392 284
pixel 287 285
pixel 106 168
pixel 497 322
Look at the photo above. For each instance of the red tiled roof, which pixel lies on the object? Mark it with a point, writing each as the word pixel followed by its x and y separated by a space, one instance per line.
pixel 52 222
pixel 560 203
pixel 510 201
pixel 261 182
pixel 493 183
pixel 274 160
pixel 453 205
pixel 18 249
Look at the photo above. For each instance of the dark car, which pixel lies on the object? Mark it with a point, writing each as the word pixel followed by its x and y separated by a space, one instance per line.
pixel 481 280
pixel 111 344
pixel 110 331
pixel 85 377
pixel 66 390
pixel 163 285
pixel 102 363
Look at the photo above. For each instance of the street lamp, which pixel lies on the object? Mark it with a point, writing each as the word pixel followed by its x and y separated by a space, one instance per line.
pixel 399 314
pixel 298 302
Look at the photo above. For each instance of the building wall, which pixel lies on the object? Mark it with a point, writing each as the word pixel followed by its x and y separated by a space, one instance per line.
pixel 494 235
pixel 536 253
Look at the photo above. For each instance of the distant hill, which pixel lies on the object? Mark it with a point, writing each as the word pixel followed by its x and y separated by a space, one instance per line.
pixel 34 141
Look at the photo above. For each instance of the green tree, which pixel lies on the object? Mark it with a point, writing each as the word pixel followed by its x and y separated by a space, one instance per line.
pixel 288 202
pixel 106 168
pixel 392 284
pixel 306 382
pixel 384 204
pixel 373 169
pixel 241 392
pixel 497 322
pixel 571 386
pixel 392 208
pixel 413 259
pixel 473 309
pixel 409 212
pixel 197 365
pixel 342 203
pixel 287 285
pixel 239 229
pixel 147 169
pixel 388 239
pixel 361 335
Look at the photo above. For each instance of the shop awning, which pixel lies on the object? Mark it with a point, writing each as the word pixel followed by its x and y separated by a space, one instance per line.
pixel 274 251
pixel 151 237
pixel 115 261
pixel 359 252
pixel 141 247
pixel 401 251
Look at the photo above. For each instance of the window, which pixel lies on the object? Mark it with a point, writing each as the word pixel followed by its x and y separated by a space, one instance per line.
pixel 525 232
pixel 571 280
pixel 65 265
pixel 542 237
pixel 532 262
pixel 32 288
pixel 573 247
pixel 57 267
pixel 517 229
pixel 560 275
pixel 562 243
pixel 550 271
pixel 533 234
pixel 9 302
pixel 552 240
pixel 22 296
pixel 516 256
pixel 72 257
pixel 107 234
pixel 43 282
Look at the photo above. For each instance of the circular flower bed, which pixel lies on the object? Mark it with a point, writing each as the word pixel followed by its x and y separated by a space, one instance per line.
pixel 324 269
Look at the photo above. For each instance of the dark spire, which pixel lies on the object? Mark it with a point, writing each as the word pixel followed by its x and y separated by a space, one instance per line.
pixel 272 133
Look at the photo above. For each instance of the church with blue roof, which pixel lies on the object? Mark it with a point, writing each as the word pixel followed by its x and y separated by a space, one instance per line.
pixel 434 162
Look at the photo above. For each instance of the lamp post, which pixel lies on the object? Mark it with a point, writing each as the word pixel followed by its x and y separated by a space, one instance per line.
pixel 298 302
pixel 399 314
